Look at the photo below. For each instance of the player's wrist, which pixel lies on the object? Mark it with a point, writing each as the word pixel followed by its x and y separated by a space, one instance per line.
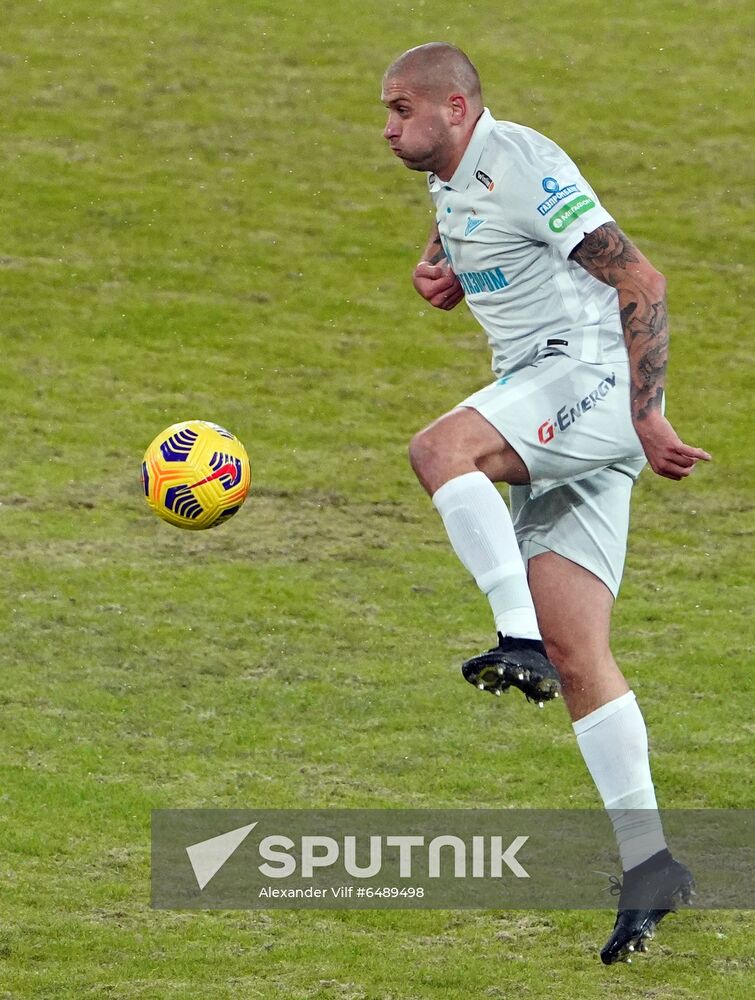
pixel 646 416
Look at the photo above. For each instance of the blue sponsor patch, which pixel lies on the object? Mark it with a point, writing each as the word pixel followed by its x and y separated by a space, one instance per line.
pixel 557 194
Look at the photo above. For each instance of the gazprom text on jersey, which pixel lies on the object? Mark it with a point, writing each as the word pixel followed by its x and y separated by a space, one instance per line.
pixel 482 281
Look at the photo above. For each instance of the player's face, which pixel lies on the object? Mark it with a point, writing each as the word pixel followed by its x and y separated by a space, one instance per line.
pixel 417 129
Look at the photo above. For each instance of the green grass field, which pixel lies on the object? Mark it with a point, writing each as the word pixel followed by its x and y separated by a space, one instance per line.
pixel 200 219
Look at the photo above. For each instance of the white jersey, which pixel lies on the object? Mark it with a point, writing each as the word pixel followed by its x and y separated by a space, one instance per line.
pixel 509 217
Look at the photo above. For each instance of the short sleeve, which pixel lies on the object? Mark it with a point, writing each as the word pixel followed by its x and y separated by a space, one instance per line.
pixel 549 199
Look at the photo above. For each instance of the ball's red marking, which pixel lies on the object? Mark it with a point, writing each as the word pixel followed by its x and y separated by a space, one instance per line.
pixel 225 470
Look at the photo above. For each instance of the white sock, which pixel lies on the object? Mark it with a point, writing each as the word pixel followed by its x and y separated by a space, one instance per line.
pixel 479 526
pixel 614 743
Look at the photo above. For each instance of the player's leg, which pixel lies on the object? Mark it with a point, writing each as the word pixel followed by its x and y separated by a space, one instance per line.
pixel 574 539
pixel 574 613
pixel 574 594
pixel 453 459
pixel 461 442
pixel 498 434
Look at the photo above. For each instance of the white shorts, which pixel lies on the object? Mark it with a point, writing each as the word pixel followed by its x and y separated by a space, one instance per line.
pixel 586 521
pixel 571 424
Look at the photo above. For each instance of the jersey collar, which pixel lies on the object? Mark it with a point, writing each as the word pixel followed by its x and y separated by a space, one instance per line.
pixel 464 173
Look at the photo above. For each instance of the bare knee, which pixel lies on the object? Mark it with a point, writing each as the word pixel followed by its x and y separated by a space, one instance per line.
pixel 437 455
pixel 572 659
pixel 422 452
pixel 426 459
pixel 589 675
pixel 459 442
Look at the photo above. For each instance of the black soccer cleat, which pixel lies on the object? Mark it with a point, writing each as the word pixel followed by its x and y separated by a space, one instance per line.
pixel 520 663
pixel 649 892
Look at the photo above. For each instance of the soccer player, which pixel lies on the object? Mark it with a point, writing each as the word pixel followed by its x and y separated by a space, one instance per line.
pixel 576 319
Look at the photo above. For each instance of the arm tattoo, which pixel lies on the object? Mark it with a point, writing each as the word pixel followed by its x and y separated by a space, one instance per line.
pixel 440 253
pixel 608 255
pixel 606 250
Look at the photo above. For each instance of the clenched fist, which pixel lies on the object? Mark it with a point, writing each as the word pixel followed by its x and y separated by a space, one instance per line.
pixel 438 284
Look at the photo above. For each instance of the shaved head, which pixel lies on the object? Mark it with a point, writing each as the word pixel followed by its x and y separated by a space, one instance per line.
pixel 432 94
pixel 438 70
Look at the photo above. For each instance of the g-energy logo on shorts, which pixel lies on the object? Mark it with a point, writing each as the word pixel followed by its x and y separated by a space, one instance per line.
pixel 567 416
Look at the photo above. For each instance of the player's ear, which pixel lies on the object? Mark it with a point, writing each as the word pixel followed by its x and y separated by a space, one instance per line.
pixel 458 108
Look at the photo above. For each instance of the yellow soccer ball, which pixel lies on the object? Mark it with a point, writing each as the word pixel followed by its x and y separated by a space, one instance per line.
pixel 196 474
